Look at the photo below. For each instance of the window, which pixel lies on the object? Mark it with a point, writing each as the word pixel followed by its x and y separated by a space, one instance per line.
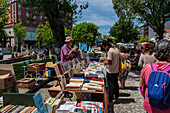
pixel 40 17
pixel 14 7
pixel 19 15
pixel 19 7
pixel 27 14
pixel 27 22
pixel 45 18
pixel 19 20
pixel 34 17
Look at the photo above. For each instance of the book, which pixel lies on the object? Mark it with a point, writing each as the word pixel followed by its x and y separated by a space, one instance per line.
pixel 56 70
pixel 74 85
pixel 63 68
pixel 60 68
pixel 97 82
pixel 76 80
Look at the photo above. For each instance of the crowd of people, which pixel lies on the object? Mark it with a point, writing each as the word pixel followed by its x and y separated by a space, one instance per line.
pixel 159 56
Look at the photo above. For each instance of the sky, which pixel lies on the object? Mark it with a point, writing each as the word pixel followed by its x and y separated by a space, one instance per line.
pixel 99 12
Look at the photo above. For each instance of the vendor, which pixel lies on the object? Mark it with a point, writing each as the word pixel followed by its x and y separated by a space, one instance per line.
pixel 66 51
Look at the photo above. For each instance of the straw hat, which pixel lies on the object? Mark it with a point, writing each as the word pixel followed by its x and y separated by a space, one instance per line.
pixel 68 39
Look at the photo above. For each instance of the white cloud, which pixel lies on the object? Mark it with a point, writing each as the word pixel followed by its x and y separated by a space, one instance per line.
pixel 99 12
pixel 101 20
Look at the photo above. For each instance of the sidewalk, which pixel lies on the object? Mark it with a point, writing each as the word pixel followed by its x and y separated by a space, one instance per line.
pixel 130 98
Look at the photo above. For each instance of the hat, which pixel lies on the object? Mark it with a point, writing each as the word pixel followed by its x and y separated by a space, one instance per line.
pixel 68 39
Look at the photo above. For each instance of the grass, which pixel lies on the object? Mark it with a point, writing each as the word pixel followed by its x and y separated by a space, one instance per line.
pixel 19 72
pixel 19 69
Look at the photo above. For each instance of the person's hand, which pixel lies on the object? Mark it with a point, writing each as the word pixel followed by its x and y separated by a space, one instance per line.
pixel 75 49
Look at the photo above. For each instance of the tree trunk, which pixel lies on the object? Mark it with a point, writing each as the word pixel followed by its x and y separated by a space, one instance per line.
pixel 58 34
pixel 161 35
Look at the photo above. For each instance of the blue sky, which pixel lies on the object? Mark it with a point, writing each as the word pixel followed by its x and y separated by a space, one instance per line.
pixel 99 12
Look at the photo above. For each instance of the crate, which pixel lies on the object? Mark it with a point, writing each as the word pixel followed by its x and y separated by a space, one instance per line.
pixel 26 83
pixel 6 82
pixel 39 66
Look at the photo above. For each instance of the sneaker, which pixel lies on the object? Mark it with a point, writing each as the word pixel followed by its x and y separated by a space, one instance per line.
pixel 110 108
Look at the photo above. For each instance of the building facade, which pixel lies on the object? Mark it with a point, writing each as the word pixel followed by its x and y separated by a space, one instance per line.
pixel 18 14
pixel 146 30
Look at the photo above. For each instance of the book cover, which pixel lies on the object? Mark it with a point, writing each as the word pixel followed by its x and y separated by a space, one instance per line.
pixel 63 67
pixel 56 70
pixel 60 68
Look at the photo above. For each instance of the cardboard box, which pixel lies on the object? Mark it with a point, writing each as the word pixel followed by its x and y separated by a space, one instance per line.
pixel 26 83
pixel 39 66
pixel 6 80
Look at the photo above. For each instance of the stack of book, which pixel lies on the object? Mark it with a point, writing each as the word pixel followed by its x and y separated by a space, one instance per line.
pixel 66 107
pixel 53 103
pixel 75 83
pixel 19 109
pixel 94 85
pixel 94 107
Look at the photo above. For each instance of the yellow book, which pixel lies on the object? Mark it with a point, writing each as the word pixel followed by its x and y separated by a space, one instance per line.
pixel 52 101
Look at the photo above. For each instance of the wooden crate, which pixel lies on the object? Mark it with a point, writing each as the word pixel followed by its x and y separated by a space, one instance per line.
pixel 39 66
pixel 26 83
pixel 6 82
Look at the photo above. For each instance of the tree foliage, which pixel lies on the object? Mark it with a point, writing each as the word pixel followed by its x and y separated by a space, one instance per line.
pixel 144 39
pixel 105 37
pixel 20 33
pixel 85 33
pixel 44 35
pixel 3 18
pixel 67 32
pixel 124 30
pixel 153 12
pixel 56 12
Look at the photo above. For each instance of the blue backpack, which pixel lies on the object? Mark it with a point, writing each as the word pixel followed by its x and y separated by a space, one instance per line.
pixel 159 88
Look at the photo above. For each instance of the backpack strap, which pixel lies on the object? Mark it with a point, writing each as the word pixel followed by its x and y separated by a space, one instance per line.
pixel 153 66
pixel 167 69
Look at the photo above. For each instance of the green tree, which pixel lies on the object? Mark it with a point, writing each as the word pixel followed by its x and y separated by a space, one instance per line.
pixel 67 32
pixel 85 33
pixel 44 35
pixel 105 37
pixel 124 30
pixel 153 12
pixel 144 39
pixel 56 12
pixel 3 18
pixel 20 33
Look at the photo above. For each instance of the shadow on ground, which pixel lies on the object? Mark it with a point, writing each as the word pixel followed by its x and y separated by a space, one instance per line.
pixel 131 88
pixel 124 94
pixel 125 100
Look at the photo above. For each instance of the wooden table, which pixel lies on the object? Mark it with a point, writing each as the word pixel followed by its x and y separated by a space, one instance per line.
pixel 53 91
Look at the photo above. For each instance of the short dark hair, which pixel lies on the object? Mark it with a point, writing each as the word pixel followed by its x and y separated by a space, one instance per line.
pixel 149 47
pixel 163 50
pixel 122 49
pixel 104 43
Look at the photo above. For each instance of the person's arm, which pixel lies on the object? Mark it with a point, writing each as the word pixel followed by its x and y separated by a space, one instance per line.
pixel 140 63
pixel 109 59
pixel 142 87
pixel 69 54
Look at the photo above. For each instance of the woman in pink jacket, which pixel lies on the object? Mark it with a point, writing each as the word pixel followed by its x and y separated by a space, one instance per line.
pixel 163 55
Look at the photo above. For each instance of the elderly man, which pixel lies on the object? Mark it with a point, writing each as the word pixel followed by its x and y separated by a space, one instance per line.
pixel 66 51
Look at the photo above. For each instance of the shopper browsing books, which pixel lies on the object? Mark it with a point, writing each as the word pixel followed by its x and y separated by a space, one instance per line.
pixel 66 51
pixel 112 63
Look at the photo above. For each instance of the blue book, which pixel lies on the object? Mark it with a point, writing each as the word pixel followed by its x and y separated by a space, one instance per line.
pixel 77 77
